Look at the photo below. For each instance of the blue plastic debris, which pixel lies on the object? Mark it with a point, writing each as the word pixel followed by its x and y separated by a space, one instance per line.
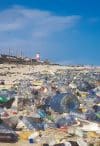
pixel 64 102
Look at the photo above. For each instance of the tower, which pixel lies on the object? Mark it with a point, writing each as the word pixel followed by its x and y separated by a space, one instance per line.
pixel 37 57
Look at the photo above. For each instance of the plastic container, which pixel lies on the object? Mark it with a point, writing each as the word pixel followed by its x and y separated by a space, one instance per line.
pixel 33 137
pixel 64 102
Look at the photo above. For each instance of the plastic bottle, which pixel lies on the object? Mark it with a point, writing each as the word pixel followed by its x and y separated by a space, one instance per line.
pixel 8 137
pixel 64 102
pixel 33 137
pixel 3 99
pixel 81 142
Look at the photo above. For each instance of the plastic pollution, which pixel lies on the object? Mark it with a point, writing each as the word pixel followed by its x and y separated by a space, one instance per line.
pixel 31 140
pixel 51 118
pixel 90 115
pixel 84 86
pixel 98 93
pixel 23 103
pixel 96 108
pixel 4 102
pixel 50 125
pixel 98 115
pixel 71 143
pixel 33 137
pixel 2 110
pixel 45 144
pixel 24 135
pixel 79 132
pixel 51 140
pixel 3 99
pixel 47 102
pixel 92 96
pixel 42 113
pixel 67 143
pixel 8 138
pixel 11 122
pixel 78 115
pixel 5 128
pixel 92 92
pixel 64 102
pixel 97 100
pixel 62 144
pixel 65 121
pixel 2 82
pixel 20 125
pixel 91 134
pixel 7 134
pixel 81 142
pixel 4 93
pixel 33 123
pixel 42 98
pixel 91 127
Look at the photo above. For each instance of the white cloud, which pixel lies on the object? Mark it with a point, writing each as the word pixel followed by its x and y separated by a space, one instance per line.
pixel 9 26
pixel 37 21
pixel 30 28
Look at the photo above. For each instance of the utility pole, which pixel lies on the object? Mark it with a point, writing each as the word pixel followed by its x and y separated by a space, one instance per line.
pixel 9 52
pixel 21 53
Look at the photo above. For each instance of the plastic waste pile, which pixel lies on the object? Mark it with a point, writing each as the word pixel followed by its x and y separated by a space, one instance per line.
pixel 62 108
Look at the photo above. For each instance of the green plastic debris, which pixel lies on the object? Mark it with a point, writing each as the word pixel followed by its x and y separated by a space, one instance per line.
pixel 3 100
pixel 98 115
pixel 51 118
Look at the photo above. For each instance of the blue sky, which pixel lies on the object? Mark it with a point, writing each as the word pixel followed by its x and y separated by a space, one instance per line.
pixel 64 31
